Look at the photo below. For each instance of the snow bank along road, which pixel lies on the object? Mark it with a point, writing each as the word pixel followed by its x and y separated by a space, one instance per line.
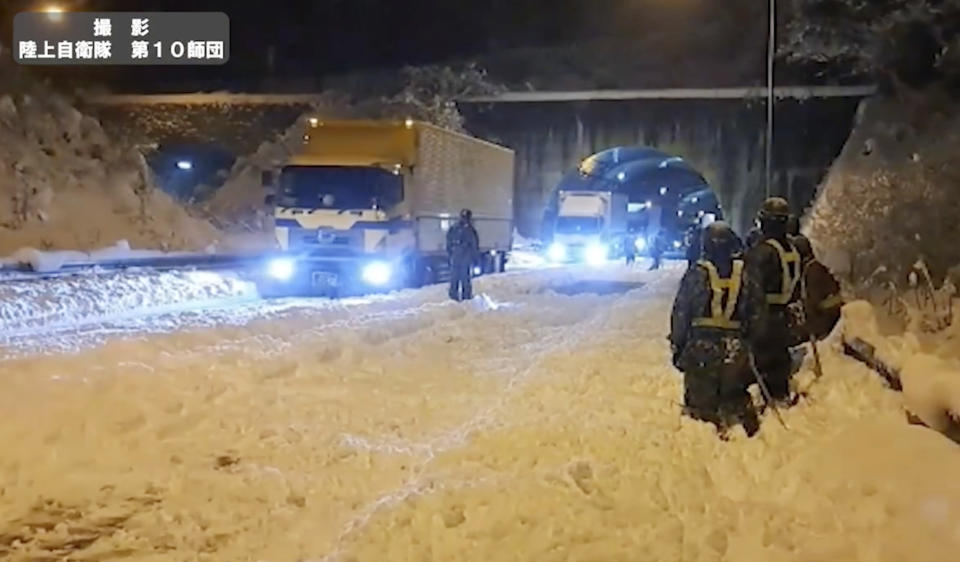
pixel 539 423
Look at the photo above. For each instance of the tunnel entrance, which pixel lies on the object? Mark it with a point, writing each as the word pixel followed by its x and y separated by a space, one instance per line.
pixel 664 191
pixel 722 132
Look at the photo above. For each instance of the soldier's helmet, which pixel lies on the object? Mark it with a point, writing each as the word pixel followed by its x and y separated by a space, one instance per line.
pixel 719 240
pixel 775 208
pixel 773 217
pixel 466 214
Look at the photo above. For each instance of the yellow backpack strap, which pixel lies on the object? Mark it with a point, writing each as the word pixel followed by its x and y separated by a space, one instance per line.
pixel 788 282
pixel 734 284
pixel 722 316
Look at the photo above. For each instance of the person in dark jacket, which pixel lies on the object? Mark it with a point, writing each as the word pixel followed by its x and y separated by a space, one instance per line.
pixel 657 247
pixel 775 264
pixel 713 310
pixel 463 249
pixel 630 249
pixel 819 292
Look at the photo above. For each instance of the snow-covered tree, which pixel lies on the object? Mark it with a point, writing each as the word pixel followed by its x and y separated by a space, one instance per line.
pixel 911 42
pixel 430 93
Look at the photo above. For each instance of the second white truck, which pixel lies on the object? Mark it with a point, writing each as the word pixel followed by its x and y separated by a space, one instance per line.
pixel 590 226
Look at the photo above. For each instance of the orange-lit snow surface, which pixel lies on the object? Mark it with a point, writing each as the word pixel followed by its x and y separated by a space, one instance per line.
pixel 537 423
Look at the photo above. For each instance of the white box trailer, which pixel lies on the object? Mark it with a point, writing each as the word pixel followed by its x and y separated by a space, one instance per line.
pixel 590 226
pixel 368 204
pixel 457 172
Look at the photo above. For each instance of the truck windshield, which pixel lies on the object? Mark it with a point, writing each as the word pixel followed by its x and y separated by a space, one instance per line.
pixel 579 225
pixel 340 187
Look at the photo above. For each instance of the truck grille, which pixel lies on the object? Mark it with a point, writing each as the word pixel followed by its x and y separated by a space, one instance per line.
pixel 313 238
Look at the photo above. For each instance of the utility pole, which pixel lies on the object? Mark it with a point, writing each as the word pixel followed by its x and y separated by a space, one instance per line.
pixel 771 53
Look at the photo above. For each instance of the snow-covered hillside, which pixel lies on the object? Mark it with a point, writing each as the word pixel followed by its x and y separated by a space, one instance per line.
pixel 66 185
pixel 890 198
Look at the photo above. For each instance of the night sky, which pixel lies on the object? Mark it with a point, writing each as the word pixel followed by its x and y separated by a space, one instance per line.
pixel 315 38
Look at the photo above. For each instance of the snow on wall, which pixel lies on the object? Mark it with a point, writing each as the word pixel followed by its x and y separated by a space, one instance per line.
pixel 67 185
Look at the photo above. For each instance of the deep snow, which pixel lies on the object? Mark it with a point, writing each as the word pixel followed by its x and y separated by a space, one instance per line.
pixel 538 422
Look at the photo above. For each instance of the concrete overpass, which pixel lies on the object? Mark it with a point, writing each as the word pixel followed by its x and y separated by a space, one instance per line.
pixel 720 131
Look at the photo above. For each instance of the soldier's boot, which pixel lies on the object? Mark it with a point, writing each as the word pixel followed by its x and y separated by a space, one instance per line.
pixel 750 420
pixel 739 410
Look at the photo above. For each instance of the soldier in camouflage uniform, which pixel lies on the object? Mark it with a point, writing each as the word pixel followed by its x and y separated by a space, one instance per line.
pixel 463 249
pixel 775 265
pixel 819 291
pixel 711 313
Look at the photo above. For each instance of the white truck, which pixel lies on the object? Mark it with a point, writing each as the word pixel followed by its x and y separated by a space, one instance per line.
pixel 590 226
pixel 366 205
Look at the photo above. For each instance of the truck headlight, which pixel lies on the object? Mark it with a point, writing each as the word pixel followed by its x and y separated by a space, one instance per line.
pixel 377 273
pixel 640 243
pixel 281 269
pixel 557 252
pixel 596 253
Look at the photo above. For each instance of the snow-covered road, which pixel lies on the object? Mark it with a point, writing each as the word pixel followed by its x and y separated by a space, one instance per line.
pixel 538 422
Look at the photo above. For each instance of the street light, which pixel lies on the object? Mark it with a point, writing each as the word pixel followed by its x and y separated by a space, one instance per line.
pixel 771 52
pixel 54 12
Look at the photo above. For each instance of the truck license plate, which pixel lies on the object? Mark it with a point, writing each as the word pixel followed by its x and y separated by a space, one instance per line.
pixel 325 279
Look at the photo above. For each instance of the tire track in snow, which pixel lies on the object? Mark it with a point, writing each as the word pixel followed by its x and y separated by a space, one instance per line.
pixel 485 419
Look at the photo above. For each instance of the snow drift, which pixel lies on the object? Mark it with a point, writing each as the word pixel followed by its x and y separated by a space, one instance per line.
pixel 929 374
pixel 67 185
